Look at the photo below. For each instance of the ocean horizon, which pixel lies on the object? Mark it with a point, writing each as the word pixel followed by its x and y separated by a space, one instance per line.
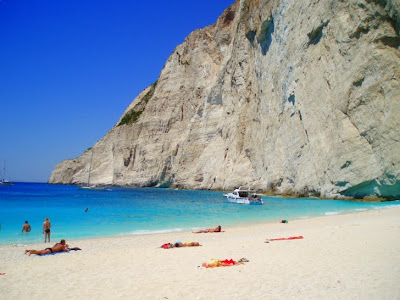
pixel 121 211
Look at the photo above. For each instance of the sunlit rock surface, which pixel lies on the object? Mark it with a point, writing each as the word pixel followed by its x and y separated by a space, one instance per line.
pixel 288 97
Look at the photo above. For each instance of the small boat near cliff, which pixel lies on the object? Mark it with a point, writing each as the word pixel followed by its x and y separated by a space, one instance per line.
pixel 5 182
pixel 92 186
pixel 244 196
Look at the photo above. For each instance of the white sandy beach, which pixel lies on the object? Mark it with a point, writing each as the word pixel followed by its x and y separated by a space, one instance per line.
pixel 352 256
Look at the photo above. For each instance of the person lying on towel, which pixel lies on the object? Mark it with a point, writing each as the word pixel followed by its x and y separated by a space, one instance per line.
pixel 59 247
pixel 216 229
pixel 179 244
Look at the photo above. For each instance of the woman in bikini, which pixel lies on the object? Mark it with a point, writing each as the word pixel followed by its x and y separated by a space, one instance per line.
pixel 46 229
pixel 216 229
pixel 59 247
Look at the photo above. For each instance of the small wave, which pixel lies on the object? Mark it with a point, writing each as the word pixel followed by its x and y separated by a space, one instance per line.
pixel 391 206
pixel 331 213
pixel 386 206
pixel 383 207
pixel 361 209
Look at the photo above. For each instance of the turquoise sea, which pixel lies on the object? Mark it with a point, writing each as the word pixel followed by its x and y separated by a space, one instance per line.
pixel 128 211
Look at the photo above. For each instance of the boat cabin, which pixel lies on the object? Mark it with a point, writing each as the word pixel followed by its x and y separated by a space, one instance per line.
pixel 242 194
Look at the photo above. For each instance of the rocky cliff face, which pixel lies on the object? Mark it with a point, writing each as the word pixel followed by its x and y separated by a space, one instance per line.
pixel 288 97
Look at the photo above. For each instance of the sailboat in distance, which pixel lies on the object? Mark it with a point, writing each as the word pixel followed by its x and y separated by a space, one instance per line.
pixel 4 181
pixel 93 186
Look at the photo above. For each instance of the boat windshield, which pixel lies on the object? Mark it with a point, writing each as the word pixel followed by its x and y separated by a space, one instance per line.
pixel 243 194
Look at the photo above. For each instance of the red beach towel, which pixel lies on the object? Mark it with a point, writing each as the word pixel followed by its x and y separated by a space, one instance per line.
pixel 289 238
pixel 227 262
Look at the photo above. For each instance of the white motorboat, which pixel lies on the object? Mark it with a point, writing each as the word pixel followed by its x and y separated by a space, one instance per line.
pixel 244 196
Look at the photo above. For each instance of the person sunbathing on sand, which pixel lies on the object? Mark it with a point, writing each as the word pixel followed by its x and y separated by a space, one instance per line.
pixel 180 244
pixel 188 244
pixel 59 247
pixel 216 229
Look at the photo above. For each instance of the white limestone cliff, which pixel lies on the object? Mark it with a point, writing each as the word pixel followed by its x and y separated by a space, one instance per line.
pixel 289 97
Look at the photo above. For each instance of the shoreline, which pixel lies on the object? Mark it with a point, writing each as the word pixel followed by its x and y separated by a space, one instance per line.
pixel 339 197
pixel 186 230
pixel 348 255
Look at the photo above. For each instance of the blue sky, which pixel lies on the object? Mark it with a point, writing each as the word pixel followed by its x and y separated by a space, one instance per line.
pixel 69 69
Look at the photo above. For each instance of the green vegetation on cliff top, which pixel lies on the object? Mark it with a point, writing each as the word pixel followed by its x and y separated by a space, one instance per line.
pixel 133 115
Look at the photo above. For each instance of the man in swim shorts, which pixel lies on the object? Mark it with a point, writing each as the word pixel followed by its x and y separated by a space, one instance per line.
pixel 26 227
pixel 59 247
pixel 46 229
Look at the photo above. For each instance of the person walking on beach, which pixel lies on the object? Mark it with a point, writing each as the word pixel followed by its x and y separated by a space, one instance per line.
pixel 26 227
pixel 46 229
pixel 59 247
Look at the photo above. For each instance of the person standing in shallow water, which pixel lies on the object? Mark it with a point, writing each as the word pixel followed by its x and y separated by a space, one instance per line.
pixel 46 229
pixel 26 227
